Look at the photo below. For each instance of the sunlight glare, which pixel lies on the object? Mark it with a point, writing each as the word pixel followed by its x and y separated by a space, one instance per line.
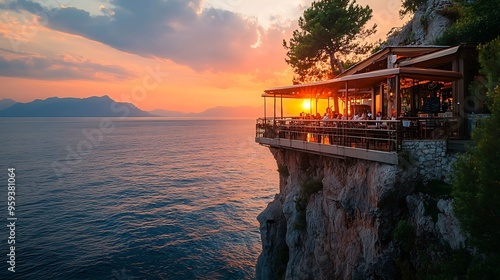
pixel 306 105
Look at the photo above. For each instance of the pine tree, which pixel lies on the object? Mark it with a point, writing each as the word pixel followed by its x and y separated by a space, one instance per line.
pixel 328 30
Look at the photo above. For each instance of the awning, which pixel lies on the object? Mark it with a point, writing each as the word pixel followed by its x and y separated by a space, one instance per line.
pixel 435 58
pixel 402 52
pixel 323 89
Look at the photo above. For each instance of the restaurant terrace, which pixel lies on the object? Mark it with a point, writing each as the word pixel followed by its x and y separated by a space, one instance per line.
pixel 399 94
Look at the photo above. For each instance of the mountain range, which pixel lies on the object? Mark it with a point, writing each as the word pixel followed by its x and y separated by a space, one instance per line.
pixel 6 103
pixel 106 107
pixel 73 107
pixel 219 111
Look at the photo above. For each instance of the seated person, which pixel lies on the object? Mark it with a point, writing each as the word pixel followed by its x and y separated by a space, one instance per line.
pixel 363 116
pixel 325 118
pixel 378 117
pixel 331 114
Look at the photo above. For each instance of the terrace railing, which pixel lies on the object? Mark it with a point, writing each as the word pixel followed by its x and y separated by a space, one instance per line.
pixel 382 135
pixel 366 134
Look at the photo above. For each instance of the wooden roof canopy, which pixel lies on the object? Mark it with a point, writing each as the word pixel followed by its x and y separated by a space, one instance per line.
pixel 363 80
pixel 355 80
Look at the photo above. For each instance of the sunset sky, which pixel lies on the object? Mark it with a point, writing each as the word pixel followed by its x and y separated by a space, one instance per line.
pixel 158 54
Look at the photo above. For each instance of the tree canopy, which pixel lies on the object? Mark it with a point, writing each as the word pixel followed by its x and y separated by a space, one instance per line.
pixel 328 29
pixel 476 173
pixel 410 7
pixel 477 23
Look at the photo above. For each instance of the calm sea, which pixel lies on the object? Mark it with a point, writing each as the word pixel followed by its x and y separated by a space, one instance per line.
pixel 139 198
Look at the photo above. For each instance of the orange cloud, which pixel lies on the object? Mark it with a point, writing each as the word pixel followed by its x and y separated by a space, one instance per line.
pixel 212 56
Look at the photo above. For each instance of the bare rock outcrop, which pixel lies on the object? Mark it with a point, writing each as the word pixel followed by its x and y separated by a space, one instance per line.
pixel 272 262
pixel 348 223
pixel 428 24
pixel 345 228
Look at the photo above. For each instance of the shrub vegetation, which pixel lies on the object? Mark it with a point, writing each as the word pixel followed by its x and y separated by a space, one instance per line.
pixel 476 176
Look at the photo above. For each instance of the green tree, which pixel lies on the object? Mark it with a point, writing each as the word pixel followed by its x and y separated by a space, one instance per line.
pixel 489 58
pixel 476 176
pixel 477 23
pixel 328 29
pixel 410 7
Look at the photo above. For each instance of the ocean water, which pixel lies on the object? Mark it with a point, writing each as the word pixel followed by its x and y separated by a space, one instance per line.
pixel 139 198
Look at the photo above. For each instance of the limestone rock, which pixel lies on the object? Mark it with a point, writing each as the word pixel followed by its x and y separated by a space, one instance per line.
pixel 349 223
pixel 448 226
pixel 427 25
pixel 346 222
pixel 273 259
pixel 423 223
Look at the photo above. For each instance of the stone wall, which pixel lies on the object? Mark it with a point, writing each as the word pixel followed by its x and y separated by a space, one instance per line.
pixel 430 157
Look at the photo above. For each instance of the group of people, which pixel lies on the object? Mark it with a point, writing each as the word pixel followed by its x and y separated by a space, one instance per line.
pixel 330 115
pixel 333 115
pixel 365 115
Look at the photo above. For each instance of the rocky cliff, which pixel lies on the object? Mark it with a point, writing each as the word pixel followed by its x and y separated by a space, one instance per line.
pixel 428 24
pixel 336 219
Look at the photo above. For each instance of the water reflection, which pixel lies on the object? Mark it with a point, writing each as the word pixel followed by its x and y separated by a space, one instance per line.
pixel 161 199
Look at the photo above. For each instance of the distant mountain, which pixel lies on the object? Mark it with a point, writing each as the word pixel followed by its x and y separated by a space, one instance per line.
pixel 6 103
pixel 167 113
pixel 240 112
pixel 219 112
pixel 74 107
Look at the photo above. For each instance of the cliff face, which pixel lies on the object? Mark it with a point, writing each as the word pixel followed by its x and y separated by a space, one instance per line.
pixel 428 24
pixel 343 229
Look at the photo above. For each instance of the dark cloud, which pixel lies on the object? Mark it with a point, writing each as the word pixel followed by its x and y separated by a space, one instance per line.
pixel 20 5
pixel 209 39
pixel 62 68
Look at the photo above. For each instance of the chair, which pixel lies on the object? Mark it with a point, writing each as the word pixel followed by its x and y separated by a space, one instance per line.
pixel 427 126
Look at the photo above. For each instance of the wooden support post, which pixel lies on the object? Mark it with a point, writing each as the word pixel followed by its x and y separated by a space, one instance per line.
pixel 281 105
pixel 397 97
pixel 316 104
pixel 274 113
pixel 265 111
pixel 346 109
pixel 374 113
pixel 336 102
pixel 310 106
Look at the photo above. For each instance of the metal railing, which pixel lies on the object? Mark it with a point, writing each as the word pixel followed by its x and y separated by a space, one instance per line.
pixel 423 128
pixel 384 135
pixel 368 134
